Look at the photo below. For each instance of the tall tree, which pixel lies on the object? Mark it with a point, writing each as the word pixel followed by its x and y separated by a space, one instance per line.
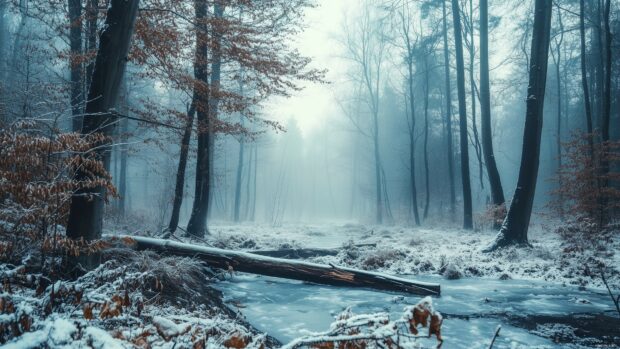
pixel 410 44
pixel 75 43
pixel 179 189
pixel 464 140
pixel 584 76
pixel 497 192
pixel 366 47
pixel 86 212
pixel 198 220
pixel 515 227
pixel 448 93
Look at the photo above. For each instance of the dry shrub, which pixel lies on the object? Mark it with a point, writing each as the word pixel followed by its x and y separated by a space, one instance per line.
pixel 37 164
pixel 381 259
pixel 491 218
pixel 588 193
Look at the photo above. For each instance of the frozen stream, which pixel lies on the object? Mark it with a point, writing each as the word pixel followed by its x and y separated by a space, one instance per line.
pixel 528 311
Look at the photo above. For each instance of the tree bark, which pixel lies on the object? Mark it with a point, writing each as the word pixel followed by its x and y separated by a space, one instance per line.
pixel 472 87
pixel 427 199
pixel 76 71
pixel 515 227
pixel 86 212
pixel 464 141
pixel 606 112
pixel 283 268
pixel 198 219
pixel 91 11
pixel 450 149
pixel 584 76
pixel 179 188
pixel 414 188
pixel 497 192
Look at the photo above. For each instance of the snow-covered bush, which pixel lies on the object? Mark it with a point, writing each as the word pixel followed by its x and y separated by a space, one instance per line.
pixel 366 331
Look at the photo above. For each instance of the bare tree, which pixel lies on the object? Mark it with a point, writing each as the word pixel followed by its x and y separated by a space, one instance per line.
pixel 497 192
pixel 460 72
pixel 515 227
pixel 365 47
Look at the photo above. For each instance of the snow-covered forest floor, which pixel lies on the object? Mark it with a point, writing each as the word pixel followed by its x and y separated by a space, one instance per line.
pixel 139 299
pixel 446 251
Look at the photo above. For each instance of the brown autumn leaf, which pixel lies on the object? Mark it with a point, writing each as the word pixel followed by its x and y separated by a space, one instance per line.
pixel 236 342
pixel 87 310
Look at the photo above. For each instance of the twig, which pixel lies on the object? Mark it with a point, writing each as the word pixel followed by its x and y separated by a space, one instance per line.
pixel 614 299
pixel 499 327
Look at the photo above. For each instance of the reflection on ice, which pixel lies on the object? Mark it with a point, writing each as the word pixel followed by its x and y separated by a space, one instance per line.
pixel 289 309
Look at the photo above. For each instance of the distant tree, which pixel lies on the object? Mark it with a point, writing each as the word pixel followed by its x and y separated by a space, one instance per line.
pixel 497 192
pixel 448 94
pixel 515 227
pixel 464 139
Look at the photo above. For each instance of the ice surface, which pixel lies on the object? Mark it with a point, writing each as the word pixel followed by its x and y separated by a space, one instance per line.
pixel 289 309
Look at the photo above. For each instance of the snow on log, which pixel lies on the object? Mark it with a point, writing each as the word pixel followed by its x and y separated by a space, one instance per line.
pixel 283 268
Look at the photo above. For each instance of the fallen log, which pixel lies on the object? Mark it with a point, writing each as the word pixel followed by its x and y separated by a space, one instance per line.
pixel 283 268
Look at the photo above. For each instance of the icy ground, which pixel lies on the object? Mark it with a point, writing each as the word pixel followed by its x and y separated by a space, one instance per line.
pixel 539 295
pixel 472 309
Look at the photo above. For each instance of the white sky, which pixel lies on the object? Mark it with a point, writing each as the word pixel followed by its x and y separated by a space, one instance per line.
pixel 316 102
pixel 312 106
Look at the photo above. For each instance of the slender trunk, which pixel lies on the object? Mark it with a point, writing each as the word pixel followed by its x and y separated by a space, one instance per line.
pixel 247 184
pixel 75 44
pixel 377 155
pixel 253 211
pixel 464 142
pixel 239 164
pixel 122 182
pixel 584 76
pixel 426 171
pixel 179 188
pixel 120 152
pixel 86 212
pixel 606 112
pixel 414 188
pixel 446 56
pixel 515 227
pixel 91 11
pixel 497 192
pixel 206 112
pixel 472 86
pixel 238 180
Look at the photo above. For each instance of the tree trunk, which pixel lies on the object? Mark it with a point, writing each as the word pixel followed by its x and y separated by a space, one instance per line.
pixel 240 160
pixel 464 141
pixel 515 227
pixel 414 188
pixel 497 192
pixel 253 210
pixel 472 87
pixel 76 72
pixel 378 188
pixel 198 219
pixel 86 212
pixel 91 11
pixel 427 199
pixel 124 151
pixel 179 188
pixel 283 268
pixel 584 76
pixel 446 57
pixel 606 111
